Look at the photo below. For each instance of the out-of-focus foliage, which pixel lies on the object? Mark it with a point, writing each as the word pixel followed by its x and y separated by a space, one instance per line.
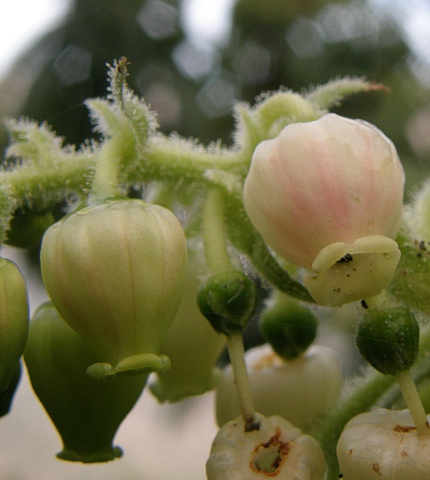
pixel 192 86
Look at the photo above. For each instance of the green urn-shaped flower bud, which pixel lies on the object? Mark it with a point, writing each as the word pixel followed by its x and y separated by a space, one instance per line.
pixel 115 273
pixel 301 390
pixel 13 329
pixel 86 412
pixel 388 339
pixel 288 326
pixel 274 449
pixel 228 300
pixel 191 344
pixel 383 444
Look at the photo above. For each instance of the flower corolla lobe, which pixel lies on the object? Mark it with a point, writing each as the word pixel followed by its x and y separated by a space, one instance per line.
pixel 330 181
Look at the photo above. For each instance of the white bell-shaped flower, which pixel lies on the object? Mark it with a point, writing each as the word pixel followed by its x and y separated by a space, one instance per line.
pixel 273 449
pixel 383 444
pixel 300 390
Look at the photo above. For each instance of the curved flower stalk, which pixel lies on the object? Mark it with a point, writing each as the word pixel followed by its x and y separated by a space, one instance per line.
pixel 383 444
pixel 301 390
pixel 115 273
pixel 327 196
pixel 274 448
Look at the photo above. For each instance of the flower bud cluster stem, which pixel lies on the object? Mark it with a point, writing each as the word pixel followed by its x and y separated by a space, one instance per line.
pixel 105 182
pixel 218 261
pixel 214 234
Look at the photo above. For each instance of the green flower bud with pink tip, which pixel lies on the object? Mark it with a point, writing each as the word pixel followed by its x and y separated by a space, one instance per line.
pixel 115 273
pixel 13 329
pixel 327 195
pixel 86 412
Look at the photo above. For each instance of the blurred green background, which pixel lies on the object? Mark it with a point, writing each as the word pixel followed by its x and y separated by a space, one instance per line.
pixel 192 83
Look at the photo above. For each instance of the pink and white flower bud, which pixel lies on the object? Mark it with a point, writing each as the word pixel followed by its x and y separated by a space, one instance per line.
pixel 325 194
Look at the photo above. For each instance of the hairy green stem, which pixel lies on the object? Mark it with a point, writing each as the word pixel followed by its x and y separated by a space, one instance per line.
pixel 214 236
pixel 107 171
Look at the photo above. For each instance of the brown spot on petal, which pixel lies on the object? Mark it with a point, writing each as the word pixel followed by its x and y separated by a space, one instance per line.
pixel 376 468
pixel 404 428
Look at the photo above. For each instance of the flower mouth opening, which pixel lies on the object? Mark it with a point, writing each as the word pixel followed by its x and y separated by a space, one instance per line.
pixel 345 273
pixel 267 458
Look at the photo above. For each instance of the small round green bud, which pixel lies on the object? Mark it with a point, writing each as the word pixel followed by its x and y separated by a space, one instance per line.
pixel 86 412
pixel 228 300
pixel 289 327
pixel 388 339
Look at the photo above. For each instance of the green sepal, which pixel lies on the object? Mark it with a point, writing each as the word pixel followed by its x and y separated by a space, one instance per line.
pixel 389 339
pixel 228 300
pixel 135 364
pixel 289 327
pixel 7 395
pixel 85 412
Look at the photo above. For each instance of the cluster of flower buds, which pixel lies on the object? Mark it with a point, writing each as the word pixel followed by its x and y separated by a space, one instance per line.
pixel 288 376
pixel 327 195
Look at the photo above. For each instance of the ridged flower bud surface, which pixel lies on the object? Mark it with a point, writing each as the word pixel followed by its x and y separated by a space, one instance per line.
pixel 115 273
pixel 324 194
